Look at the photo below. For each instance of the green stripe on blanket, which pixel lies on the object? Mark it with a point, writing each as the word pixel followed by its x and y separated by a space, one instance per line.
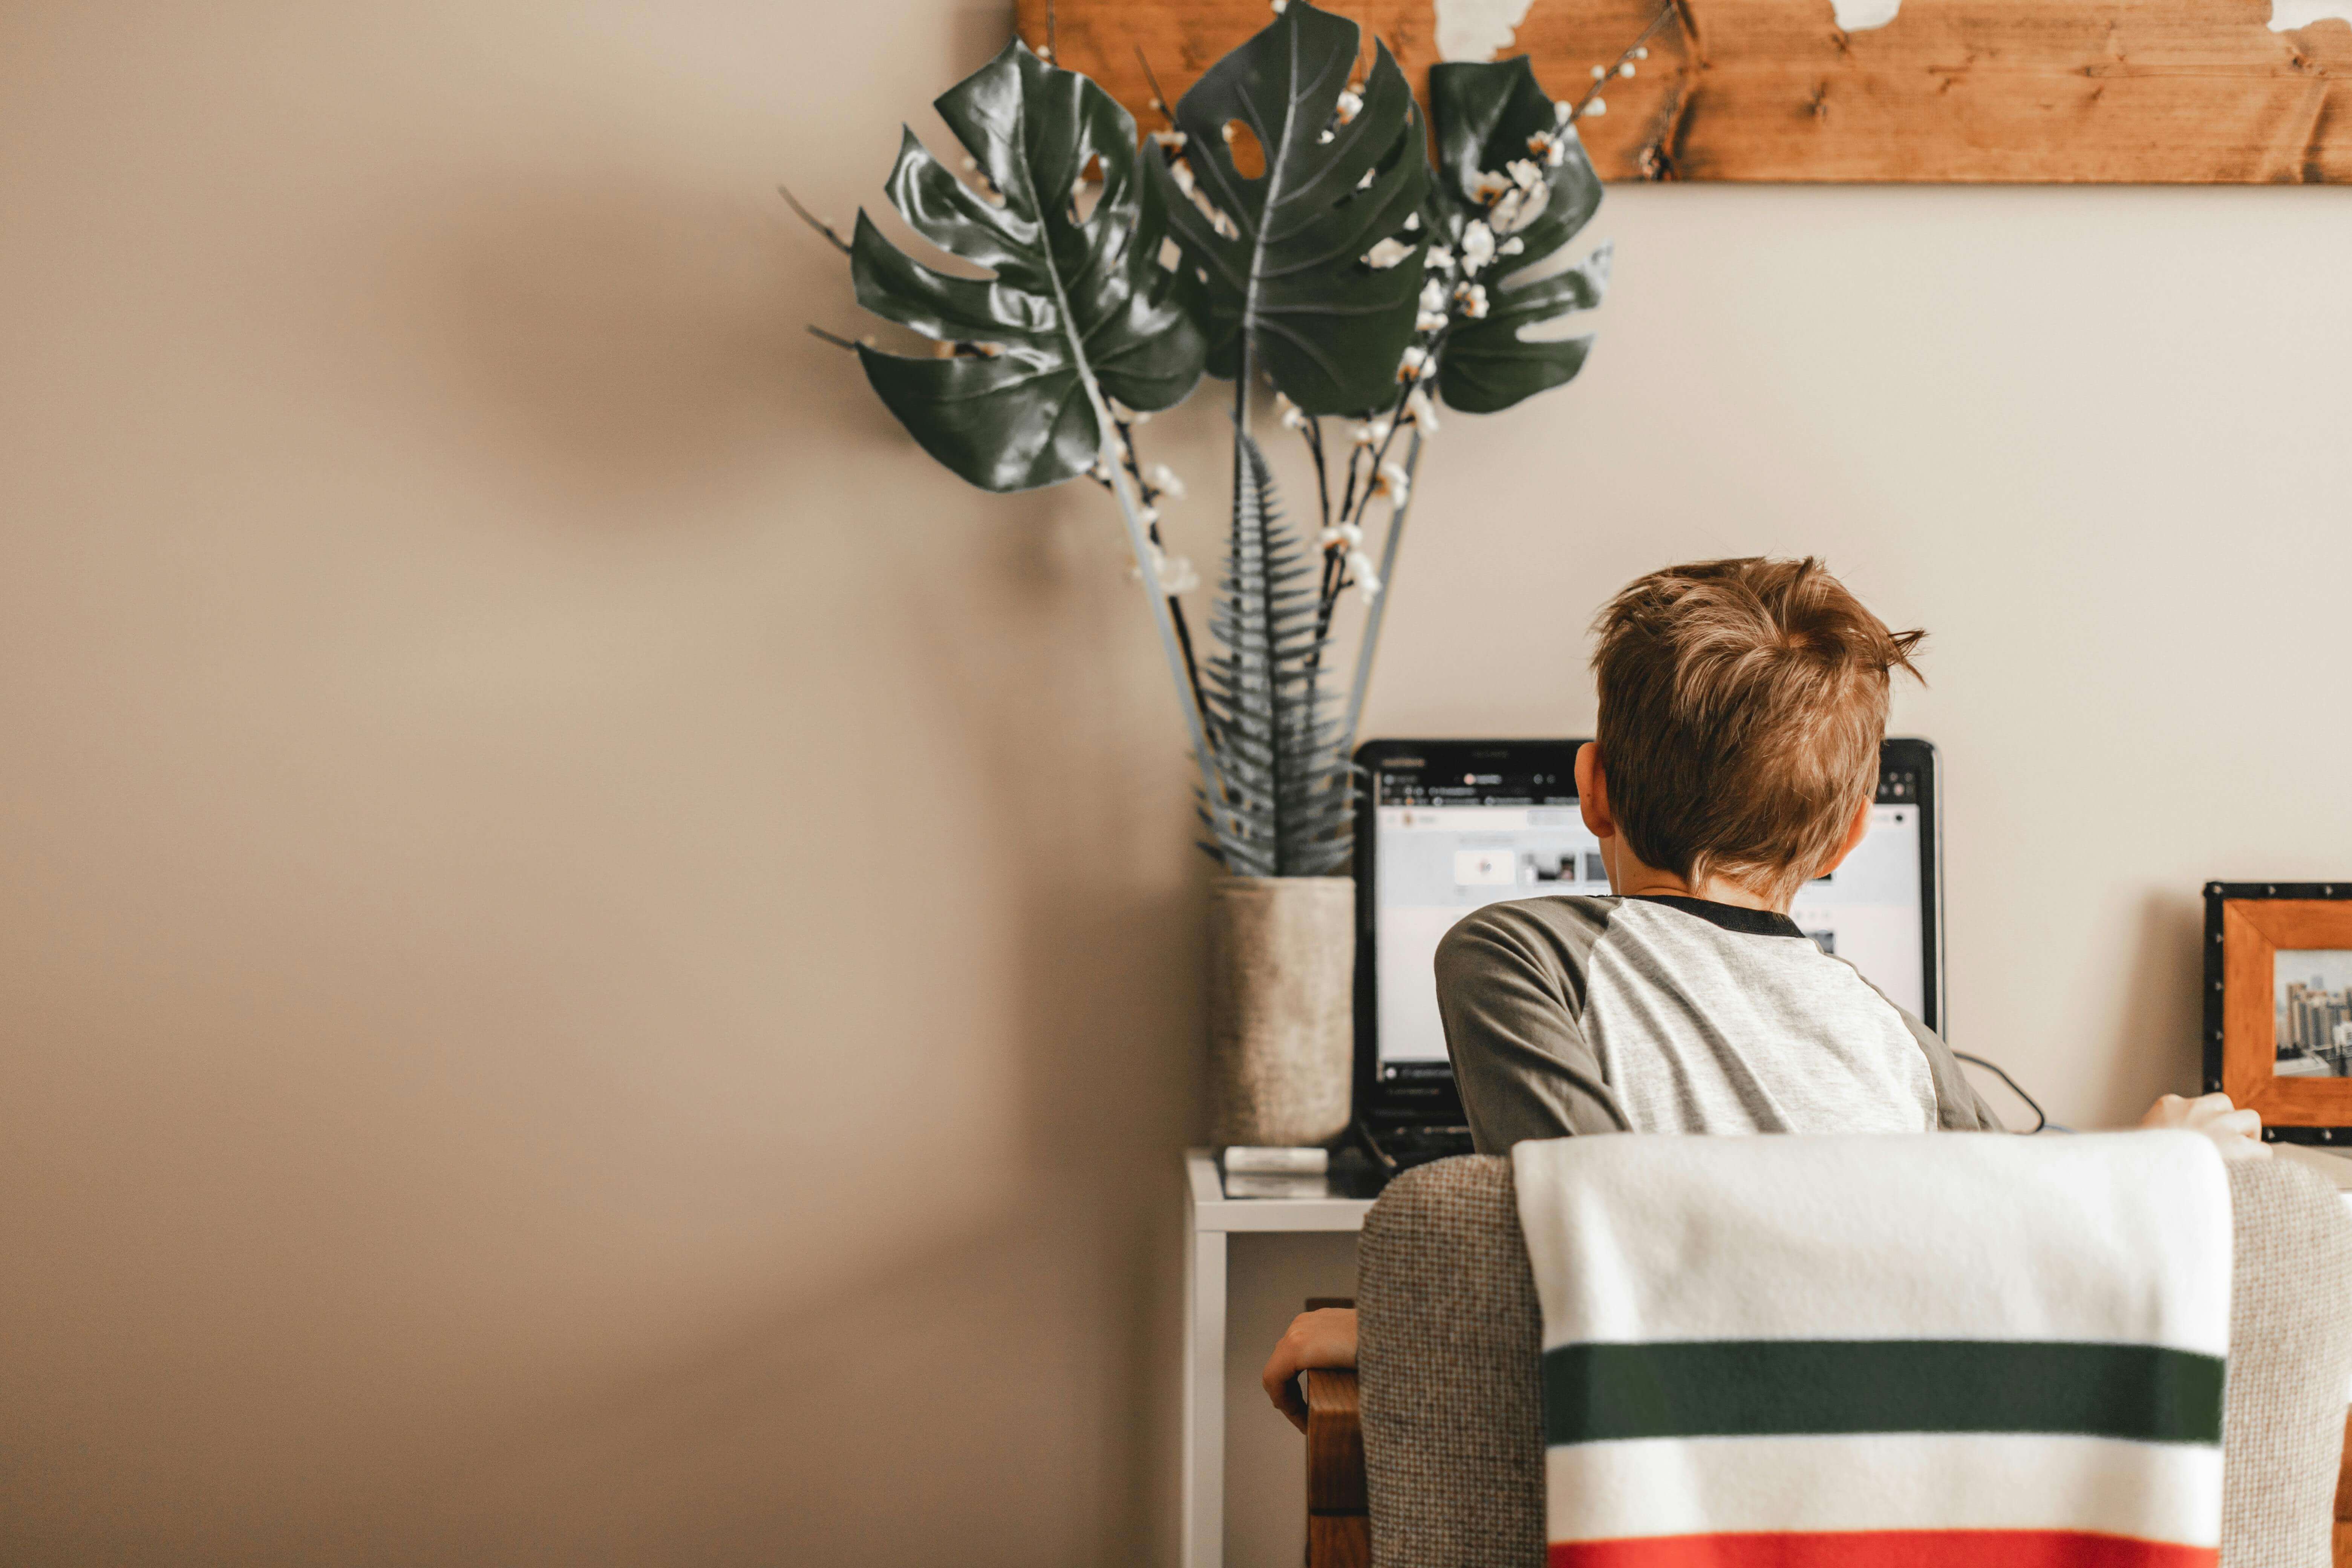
pixel 1595 1392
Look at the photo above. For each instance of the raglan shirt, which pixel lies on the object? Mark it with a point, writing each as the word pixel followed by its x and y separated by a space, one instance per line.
pixel 1656 1014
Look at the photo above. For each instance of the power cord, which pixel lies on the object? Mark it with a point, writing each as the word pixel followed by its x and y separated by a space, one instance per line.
pixel 2040 1117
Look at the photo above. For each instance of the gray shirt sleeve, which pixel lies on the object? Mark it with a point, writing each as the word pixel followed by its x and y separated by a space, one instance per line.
pixel 1510 990
pixel 1959 1107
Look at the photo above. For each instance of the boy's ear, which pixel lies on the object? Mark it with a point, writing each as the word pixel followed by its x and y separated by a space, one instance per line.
pixel 1855 832
pixel 1592 791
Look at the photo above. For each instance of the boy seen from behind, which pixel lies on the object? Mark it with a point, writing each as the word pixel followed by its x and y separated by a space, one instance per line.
pixel 1742 704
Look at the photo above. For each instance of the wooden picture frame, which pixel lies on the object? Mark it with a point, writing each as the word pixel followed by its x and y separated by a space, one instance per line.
pixel 2247 926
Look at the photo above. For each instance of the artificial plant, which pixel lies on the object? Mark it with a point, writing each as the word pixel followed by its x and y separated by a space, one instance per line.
pixel 1316 250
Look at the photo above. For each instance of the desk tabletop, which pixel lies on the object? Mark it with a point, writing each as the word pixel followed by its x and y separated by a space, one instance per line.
pixel 1210 1209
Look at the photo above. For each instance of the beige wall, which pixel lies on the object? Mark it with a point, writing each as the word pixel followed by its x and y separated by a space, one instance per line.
pixel 600 960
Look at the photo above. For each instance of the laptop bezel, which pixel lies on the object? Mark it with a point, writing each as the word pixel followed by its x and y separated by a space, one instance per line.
pixel 1424 1103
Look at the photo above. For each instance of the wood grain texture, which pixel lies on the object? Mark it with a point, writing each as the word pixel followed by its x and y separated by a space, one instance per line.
pixel 2022 91
pixel 2342 1555
pixel 1338 1540
pixel 1335 1442
pixel 2344 1475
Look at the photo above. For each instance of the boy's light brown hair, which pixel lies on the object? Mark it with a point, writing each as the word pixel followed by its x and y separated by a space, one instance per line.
pixel 1742 705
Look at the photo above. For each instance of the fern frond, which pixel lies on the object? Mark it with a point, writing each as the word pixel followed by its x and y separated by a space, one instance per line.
pixel 1289 799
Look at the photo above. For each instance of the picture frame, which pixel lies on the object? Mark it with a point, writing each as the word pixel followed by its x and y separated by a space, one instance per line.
pixel 2278 1005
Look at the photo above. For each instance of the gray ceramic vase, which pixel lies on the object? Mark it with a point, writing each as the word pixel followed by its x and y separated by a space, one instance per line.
pixel 1282 969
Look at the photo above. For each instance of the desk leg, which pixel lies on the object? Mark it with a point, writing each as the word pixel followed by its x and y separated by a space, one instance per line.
pixel 1204 1401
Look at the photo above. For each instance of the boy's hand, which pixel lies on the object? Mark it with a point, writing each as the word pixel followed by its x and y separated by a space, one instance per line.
pixel 1324 1338
pixel 2238 1134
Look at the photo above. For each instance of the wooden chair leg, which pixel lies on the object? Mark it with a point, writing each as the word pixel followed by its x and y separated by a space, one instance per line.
pixel 1339 1529
pixel 2344 1501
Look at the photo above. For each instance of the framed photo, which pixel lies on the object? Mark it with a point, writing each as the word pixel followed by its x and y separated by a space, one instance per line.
pixel 2278 1005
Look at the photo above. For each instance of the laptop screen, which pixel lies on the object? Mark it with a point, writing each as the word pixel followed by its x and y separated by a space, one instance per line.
pixel 1445 844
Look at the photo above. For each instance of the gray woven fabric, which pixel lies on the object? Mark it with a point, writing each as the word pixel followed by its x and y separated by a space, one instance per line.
pixel 2289 1360
pixel 1450 1333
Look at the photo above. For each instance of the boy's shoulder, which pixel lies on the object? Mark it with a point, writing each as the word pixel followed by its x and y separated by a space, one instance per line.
pixel 1553 912
pixel 1557 930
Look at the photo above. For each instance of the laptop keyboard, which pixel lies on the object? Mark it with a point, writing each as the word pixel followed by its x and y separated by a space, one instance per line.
pixel 1401 1148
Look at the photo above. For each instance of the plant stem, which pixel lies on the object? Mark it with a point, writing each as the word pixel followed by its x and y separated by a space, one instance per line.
pixel 1175 605
pixel 1379 611
pixel 813 221
pixel 1192 667
pixel 1603 79
pixel 1327 598
pixel 1354 508
pixel 1312 433
pixel 1159 98
pixel 1212 776
pixel 1335 579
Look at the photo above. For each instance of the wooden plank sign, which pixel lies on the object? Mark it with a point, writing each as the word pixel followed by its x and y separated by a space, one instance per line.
pixel 2107 91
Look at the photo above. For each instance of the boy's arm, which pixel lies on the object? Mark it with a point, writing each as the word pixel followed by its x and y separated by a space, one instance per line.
pixel 1510 983
pixel 1325 1337
pixel 1959 1107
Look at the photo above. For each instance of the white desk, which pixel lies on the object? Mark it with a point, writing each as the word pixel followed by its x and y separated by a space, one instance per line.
pixel 1211 1217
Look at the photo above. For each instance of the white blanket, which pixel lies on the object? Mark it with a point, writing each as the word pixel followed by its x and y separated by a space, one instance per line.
pixel 1878 1351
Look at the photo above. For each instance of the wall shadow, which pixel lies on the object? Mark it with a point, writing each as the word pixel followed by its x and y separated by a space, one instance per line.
pixel 2162 1009
pixel 1008 1396
pixel 954 1401
pixel 634 343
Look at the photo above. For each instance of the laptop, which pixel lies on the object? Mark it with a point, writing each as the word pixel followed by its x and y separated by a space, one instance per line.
pixel 1444 826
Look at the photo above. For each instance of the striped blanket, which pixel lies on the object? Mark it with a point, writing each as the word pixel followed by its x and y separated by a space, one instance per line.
pixel 1866 1351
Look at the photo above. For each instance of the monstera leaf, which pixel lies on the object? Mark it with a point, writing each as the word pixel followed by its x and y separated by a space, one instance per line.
pixel 1287 801
pixel 1078 307
pixel 1282 250
pixel 1498 139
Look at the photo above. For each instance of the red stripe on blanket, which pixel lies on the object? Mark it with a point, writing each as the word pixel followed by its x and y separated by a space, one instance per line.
pixel 1883 1549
